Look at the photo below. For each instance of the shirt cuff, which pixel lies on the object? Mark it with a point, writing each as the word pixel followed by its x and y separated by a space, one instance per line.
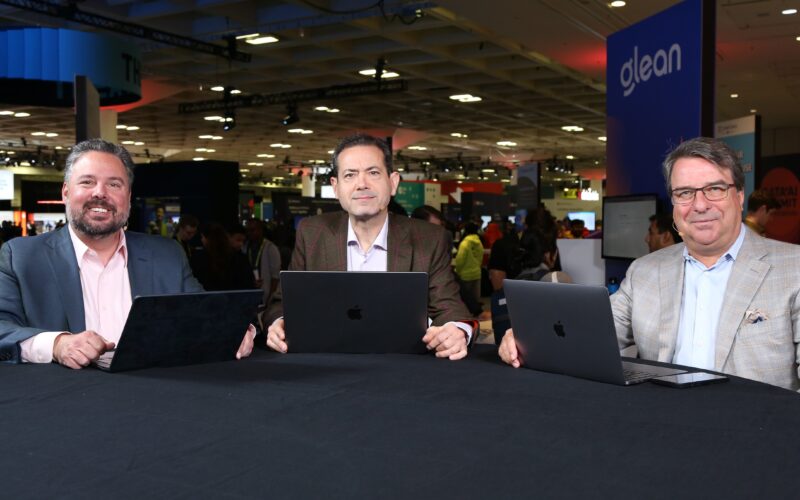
pixel 464 326
pixel 39 348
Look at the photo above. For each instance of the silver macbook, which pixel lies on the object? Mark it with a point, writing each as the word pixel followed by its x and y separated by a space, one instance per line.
pixel 355 312
pixel 569 329
pixel 182 329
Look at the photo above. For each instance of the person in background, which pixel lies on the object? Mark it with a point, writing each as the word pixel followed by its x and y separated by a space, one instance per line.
pixel 217 266
pixel 264 257
pixel 185 232
pixel 760 207
pixel 158 225
pixel 468 267
pixel 504 256
pixel 577 228
pixel 237 236
pixel 661 233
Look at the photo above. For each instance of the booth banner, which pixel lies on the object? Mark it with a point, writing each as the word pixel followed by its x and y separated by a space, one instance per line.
pixel 410 195
pixel 6 185
pixel 38 66
pixel 742 134
pixel 658 75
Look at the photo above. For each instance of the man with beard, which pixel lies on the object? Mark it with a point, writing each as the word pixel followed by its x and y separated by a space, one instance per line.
pixel 65 295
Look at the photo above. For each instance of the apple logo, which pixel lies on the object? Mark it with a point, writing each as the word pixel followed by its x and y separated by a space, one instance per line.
pixel 559 329
pixel 354 312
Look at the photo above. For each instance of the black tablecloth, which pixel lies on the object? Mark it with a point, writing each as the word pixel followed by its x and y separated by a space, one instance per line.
pixel 387 426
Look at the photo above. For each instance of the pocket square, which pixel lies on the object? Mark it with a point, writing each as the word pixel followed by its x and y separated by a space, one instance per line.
pixel 755 316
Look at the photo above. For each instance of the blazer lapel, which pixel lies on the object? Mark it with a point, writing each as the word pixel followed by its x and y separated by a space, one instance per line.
pixel 336 243
pixel 746 276
pixel 399 251
pixel 68 280
pixel 140 272
pixel 670 280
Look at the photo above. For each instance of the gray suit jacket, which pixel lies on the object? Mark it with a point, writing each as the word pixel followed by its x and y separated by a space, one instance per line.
pixel 40 284
pixel 413 245
pixel 765 278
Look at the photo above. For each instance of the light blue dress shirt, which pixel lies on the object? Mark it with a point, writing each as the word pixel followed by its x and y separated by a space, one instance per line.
pixel 703 294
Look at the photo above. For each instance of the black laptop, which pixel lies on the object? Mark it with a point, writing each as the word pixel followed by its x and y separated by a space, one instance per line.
pixel 569 329
pixel 182 329
pixel 355 312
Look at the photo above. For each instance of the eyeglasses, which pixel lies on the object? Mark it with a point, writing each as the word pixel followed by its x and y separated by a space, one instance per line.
pixel 713 192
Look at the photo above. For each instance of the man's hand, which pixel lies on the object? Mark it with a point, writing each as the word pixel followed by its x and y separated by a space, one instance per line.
pixel 246 347
pixel 77 351
pixel 449 341
pixel 508 350
pixel 276 336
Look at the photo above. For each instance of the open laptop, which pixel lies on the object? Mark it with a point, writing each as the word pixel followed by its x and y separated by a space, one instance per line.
pixel 182 329
pixel 569 329
pixel 355 312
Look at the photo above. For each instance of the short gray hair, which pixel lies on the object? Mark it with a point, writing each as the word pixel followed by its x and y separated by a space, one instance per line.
pixel 712 150
pixel 100 146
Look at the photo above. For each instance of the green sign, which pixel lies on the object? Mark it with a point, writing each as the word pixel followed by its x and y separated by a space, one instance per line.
pixel 410 195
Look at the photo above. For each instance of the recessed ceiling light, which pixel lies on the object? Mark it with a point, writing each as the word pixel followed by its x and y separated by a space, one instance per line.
pixel 200 150
pixel 570 157
pixel 255 164
pixel 734 96
pixel 602 138
pixel 127 142
pixel 132 128
pixel 37 133
pixel 211 150
pixel 265 155
pixel 459 135
pixel 321 108
pixel 217 88
pixel 261 40
pixel 418 148
pixel 465 98
pixel 245 37
pixel 330 151
pixel 138 143
pixel 22 115
pixel 216 137
pixel 6 113
pixel 789 12
pixel 754 110
pixel 214 118
pixel 236 91
pixel 245 170
pixel 384 74
pixel 617 3
pixel 572 128
pixel 198 158
pixel 205 136
pixel 120 126
pixel 509 144
pixel 51 134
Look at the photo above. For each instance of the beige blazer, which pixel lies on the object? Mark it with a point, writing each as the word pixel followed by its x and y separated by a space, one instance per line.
pixel 764 281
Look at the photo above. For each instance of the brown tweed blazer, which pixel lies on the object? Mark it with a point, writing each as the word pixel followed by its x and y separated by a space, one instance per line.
pixel 764 281
pixel 413 245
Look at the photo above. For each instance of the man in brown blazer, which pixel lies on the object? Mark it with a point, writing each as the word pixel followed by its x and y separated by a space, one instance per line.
pixel 365 237
pixel 726 299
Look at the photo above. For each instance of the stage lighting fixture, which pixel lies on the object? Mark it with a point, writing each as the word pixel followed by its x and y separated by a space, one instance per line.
pixel 291 115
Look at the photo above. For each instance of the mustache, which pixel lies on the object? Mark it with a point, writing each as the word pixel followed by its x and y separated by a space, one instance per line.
pixel 99 204
pixel 364 194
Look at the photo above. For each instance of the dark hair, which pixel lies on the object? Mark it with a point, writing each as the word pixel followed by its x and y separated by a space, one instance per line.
pixel 471 228
pixel 361 140
pixel 100 146
pixel 531 249
pixel 237 229
pixel 711 150
pixel 188 220
pixel 664 223
pixel 762 198
pixel 219 250
pixel 425 212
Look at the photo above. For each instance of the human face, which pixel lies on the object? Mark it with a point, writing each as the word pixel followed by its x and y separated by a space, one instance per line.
pixel 237 241
pixel 655 240
pixel 363 185
pixel 186 233
pixel 98 195
pixel 708 228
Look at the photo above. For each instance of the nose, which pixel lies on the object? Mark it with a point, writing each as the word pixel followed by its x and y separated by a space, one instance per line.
pixel 361 180
pixel 99 191
pixel 700 202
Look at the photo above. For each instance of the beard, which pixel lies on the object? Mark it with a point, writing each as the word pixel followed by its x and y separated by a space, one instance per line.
pixel 80 221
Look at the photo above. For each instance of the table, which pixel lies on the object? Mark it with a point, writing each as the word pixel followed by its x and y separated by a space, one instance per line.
pixel 387 426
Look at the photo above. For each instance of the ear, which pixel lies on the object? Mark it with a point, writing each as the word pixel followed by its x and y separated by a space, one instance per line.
pixel 335 185
pixel 64 192
pixel 394 178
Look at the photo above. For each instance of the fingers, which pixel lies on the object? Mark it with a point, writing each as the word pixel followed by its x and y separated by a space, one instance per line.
pixel 449 341
pixel 508 350
pixel 246 347
pixel 276 336
pixel 77 351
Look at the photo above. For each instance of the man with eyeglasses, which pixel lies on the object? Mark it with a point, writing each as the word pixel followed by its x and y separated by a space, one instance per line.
pixel 727 299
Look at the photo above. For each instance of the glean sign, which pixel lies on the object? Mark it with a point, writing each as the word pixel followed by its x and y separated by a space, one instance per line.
pixel 639 70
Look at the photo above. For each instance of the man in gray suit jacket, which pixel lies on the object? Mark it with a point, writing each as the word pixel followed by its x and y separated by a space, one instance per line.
pixel 727 299
pixel 65 294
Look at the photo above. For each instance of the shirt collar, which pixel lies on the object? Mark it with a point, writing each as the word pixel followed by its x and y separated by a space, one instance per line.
pixel 731 254
pixel 380 240
pixel 81 248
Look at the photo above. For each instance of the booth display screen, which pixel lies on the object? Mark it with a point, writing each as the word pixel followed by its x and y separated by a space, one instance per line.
pixel 626 220
pixel 586 217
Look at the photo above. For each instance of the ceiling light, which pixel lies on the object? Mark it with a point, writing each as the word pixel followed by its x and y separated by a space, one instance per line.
pixel 265 155
pixel 465 98
pixel 754 110
pixel 418 148
pixel 459 135
pixel 789 12
pixel 330 151
pixel 570 157
pixel 602 138
pixel 6 113
pixel 205 136
pixel 291 114
pixel 138 143
pixel 218 88
pixel 214 118
pixel 280 145
pixel 333 110
pixel 198 158
pixel 132 128
pixel 384 73
pixel 488 170
pixel 37 133
pixel 798 38
pixel 200 150
pixel 245 37
pixel 51 134
pixel 617 3
pixel 321 108
pixel 230 121
pixel 510 144
pixel 245 170
pixel 572 128
pixel 120 127
pixel 235 91
pixel 261 40
pixel 127 142
pixel 211 150
pixel 734 96
pixel 216 137
pixel 21 115
pixel 255 164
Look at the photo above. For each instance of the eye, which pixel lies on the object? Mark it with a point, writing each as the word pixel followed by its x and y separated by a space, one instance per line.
pixel 683 194
pixel 714 190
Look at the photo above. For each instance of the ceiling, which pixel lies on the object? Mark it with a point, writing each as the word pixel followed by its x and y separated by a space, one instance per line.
pixel 537 66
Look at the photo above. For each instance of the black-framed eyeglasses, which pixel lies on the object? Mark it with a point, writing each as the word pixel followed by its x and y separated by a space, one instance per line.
pixel 712 192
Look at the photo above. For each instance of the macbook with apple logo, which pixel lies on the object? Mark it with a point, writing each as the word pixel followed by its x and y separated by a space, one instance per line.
pixel 355 312
pixel 569 329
